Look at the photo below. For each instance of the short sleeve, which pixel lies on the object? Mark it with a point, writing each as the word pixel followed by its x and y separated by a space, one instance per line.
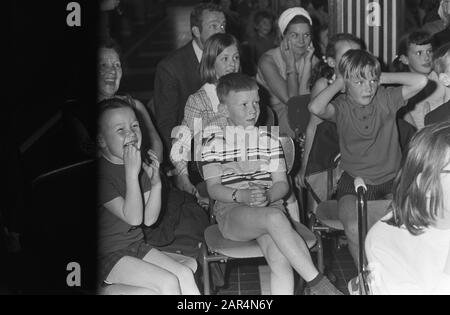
pixel 107 191
pixel 212 158
pixel 395 98
pixel 277 162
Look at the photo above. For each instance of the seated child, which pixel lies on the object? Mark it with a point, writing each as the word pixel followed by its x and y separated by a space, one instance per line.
pixel 245 173
pixel 442 69
pixel 365 116
pixel 129 196
pixel 323 75
pixel 409 250
pixel 415 54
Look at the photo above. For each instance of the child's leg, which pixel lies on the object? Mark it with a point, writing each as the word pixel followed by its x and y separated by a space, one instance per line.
pixel 281 273
pixel 292 203
pixel 135 272
pixel 246 223
pixel 348 215
pixel 184 260
pixel 183 273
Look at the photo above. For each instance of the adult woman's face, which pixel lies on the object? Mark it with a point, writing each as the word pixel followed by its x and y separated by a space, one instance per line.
pixel 300 37
pixel 227 62
pixel 110 73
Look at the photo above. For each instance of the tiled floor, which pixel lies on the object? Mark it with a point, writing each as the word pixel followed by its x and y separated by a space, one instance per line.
pixel 251 277
pixel 243 278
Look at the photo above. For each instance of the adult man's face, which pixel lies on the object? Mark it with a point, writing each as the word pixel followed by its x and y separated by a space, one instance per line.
pixel 212 23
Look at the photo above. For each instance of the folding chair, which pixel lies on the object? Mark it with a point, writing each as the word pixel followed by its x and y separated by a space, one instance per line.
pixel 218 249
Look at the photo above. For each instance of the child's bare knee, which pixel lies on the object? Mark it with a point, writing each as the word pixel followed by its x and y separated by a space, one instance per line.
pixel 184 272
pixel 275 217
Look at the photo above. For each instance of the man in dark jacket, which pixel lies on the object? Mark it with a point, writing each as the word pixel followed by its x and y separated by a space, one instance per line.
pixel 177 75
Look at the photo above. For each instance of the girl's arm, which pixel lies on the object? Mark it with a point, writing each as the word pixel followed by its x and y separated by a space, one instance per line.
pixel 321 106
pixel 412 83
pixel 153 197
pixel 130 209
pixel 153 205
pixel 155 140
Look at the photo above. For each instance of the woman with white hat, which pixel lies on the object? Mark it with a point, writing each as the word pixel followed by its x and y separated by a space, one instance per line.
pixel 286 70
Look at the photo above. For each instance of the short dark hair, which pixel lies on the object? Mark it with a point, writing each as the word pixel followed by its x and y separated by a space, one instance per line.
pixel 197 13
pixel 234 82
pixel 416 37
pixel 111 104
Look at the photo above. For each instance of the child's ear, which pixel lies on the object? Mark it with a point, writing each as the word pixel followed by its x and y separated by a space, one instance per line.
pixel 404 60
pixel 331 62
pixel 223 110
pixel 445 79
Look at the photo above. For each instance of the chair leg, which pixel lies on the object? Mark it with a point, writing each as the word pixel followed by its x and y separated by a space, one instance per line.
pixel 206 284
pixel 320 262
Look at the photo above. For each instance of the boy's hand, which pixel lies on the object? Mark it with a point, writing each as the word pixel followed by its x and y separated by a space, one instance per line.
pixel 132 159
pixel 258 196
pixel 151 167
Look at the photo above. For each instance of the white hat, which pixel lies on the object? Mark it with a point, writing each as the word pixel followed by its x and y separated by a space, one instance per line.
pixel 287 16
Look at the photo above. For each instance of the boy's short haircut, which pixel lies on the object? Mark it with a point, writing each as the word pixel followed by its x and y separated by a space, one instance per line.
pixel 234 82
pixel 197 13
pixel 110 104
pixel 441 59
pixel 359 64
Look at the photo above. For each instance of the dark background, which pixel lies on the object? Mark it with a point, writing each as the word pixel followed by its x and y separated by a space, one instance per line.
pixel 47 63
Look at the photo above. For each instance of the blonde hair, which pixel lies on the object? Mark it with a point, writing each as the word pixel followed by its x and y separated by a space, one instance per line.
pixel 418 195
pixel 359 64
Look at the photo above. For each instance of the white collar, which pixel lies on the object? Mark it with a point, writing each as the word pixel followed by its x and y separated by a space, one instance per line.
pixel 211 92
pixel 198 51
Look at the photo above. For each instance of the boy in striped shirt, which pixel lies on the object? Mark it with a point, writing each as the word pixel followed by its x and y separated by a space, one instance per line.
pixel 245 173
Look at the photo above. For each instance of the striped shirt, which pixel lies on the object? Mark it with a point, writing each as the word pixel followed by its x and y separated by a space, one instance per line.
pixel 241 156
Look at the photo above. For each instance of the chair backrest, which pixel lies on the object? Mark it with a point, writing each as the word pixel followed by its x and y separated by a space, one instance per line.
pixel 298 113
